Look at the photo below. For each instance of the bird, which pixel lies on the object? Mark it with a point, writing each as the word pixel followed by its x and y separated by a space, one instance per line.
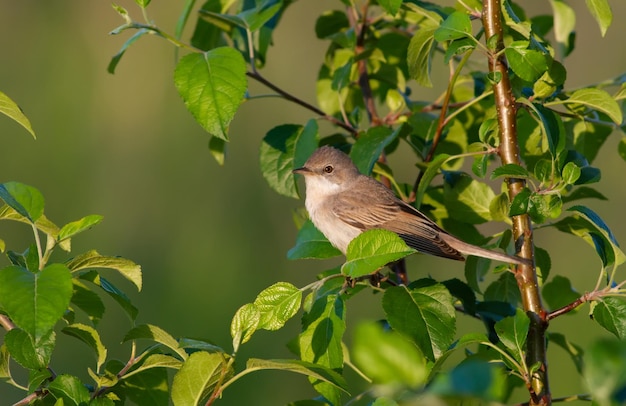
pixel 342 203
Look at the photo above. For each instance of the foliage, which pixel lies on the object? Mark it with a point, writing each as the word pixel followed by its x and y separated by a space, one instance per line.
pixel 378 54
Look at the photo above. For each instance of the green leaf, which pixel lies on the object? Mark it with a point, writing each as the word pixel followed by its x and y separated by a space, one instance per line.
pixel 582 192
pixel 369 146
pixel 330 23
pixel 601 11
pixel 574 351
pixel 621 148
pixel 458 47
pixel 564 24
pixel 601 226
pixel 512 332
pixel 472 379
pixel 390 6
pixel 75 227
pixel 543 263
pixel 605 371
pixel 311 243
pixel 277 304
pixel 285 148
pixel 420 52
pixel 551 126
pixel 27 353
pixel 388 358
pixel 467 200
pixel 510 171
pixel 544 206
pixel 92 259
pixel 88 301
pixel 212 85
pixel 559 292
pixel 320 342
pixel 528 64
pixel 245 322
pixel 35 301
pixel 217 147
pixel 148 388
pixel 372 250
pixel 10 109
pixel 24 199
pixel 156 334
pixel 456 26
pixel 425 313
pixel 610 313
pixel 570 173
pixel 155 361
pixel 115 60
pixel 431 171
pixel 70 389
pixel 314 371
pixel 142 3
pixel 595 99
pixel 504 290
pixel 196 378
pixel 119 296
pixel 89 336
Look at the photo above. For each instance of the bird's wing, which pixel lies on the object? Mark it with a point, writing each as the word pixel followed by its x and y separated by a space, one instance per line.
pixel 381 209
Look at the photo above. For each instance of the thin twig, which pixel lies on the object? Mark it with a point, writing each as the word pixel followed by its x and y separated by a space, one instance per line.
pixel 288 96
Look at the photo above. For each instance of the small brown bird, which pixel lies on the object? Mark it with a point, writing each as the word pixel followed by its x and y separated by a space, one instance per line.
pixel 342 203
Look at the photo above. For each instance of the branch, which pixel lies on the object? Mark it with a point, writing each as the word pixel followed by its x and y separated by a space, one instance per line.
pixel 288 96
pixel 6 322
pixel 522 229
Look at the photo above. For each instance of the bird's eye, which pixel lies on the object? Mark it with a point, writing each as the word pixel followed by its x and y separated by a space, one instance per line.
pixel 328 168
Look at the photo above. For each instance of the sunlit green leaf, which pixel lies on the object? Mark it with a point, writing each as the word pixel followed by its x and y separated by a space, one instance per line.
pixel 212 85
pixel 35 301
pixel 601 11
pixel 390 6
pixel 431 171
pixel 196 378
pixel 156 361
pixel 312 370
pixel 245 322
pixel 277 304
pixel 424 312
pixel 528 64
pixel 373 249
pixel 595 99
pixel 10 109
pixel 457 25
pixel 156 334
pixel 420 53
pixel 467 199
pixel 92 259
pixel 26 352
pixel 70 389
pixel 510 171
pixel 75 227
pixel 24 199
pixel 512 332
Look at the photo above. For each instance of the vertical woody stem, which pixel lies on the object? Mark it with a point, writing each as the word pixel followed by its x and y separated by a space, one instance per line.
pixel 522 227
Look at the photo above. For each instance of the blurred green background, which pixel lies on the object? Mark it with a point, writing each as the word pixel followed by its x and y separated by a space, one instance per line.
pixel 209 238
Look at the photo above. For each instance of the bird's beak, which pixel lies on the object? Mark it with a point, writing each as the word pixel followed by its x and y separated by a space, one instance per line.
pixel 302 171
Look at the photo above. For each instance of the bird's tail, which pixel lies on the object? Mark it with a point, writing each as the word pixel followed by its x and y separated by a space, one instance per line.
pixel 469 249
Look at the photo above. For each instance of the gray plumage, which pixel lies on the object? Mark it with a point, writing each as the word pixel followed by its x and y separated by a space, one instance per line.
pixel 342 203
